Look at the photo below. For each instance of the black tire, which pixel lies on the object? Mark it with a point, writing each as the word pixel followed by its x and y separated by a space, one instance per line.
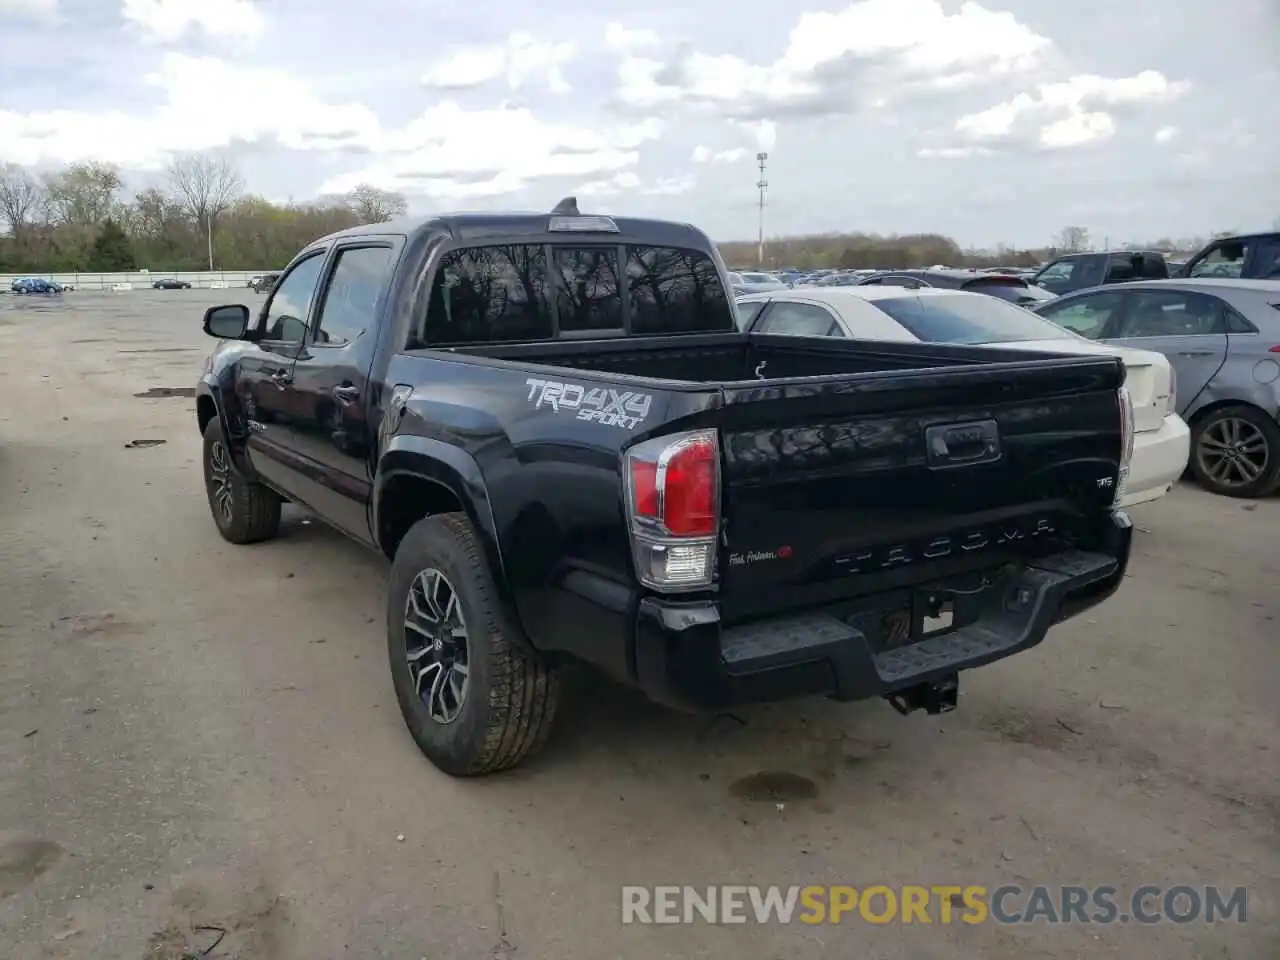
pixel 1206 437
pixel 509 705
pixel 253 511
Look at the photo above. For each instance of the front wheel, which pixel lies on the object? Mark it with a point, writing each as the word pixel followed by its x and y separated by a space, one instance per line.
pixel 244 511
pixel 474 703
pixel 1235 452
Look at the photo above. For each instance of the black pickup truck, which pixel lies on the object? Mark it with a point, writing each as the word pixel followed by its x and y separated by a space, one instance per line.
pixel 552 427
pixel 1077 271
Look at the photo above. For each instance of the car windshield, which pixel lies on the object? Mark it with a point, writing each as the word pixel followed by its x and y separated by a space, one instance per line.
pixel 966 318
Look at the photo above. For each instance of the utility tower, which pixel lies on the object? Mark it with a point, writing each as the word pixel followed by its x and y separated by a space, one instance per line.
pixel 762 184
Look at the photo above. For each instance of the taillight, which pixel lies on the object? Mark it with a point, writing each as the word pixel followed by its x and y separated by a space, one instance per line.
pixel 673 509
pixel 1126 440
pixel 1171 405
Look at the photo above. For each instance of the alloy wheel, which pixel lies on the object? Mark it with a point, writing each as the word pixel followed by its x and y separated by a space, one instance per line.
pixel 1233 452
pixel 436 646
pixel 220 491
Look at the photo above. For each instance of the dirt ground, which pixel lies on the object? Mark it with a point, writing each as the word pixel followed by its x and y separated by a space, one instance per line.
pixel 194 735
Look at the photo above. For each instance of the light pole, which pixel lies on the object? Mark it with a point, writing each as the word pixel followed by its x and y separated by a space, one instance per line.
pixel 208 223
pixel 761 158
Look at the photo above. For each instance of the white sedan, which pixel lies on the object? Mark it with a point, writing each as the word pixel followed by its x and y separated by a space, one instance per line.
pixel 1162 441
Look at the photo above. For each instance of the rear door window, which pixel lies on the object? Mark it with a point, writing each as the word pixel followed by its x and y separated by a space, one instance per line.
pixel 489 294
pixel 675 291
pixel 1171 313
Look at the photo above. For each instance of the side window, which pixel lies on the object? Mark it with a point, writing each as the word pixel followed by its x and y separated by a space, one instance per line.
pixel 798 320
pixel 349 301
pixel 488 294
pixel 1171 313
pixel 587 293
pixel 747 312
pixel 1058 277
pixel 1266 261
pixel 291 302
pixel 1086 316
pixel 1121 268
pixel 911 283
pixel 674 291
pixel 1226 259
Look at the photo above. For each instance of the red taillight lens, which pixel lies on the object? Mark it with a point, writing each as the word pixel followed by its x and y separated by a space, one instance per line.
pixel 689 505
pixel 1275 349
pixel 673 509
pixel 644 488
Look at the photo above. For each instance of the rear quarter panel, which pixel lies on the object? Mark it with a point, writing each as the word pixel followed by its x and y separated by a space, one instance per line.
pixel 549 460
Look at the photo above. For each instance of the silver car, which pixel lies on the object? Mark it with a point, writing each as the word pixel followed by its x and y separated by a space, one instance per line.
pixel 1222 338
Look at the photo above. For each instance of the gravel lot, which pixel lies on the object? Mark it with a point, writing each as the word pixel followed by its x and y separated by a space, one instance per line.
pixel 195 734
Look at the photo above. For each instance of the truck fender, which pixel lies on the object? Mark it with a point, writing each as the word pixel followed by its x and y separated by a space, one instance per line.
pixel 209 405
pixel 453 469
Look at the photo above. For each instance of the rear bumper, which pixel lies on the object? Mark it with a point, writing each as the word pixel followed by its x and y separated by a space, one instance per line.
pixel 1159 459
pixel 684 658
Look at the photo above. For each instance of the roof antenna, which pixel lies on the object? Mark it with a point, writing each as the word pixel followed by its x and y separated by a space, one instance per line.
pixel 568 207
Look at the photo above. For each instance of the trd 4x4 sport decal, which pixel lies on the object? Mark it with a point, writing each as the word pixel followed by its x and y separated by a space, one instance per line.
pixel 613 408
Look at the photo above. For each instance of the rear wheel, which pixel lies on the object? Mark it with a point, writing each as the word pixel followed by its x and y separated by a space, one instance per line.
pixel 244 511
pixel 1235 452
pixel 473 701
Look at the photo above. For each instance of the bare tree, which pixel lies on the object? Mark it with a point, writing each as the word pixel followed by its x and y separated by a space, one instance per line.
pixel 84 194
pixel 205 186
pixel 20 198
pixel 1072 240
pixel 373 205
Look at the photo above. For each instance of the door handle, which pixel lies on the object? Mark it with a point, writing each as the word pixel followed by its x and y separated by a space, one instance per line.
pixel 347 393
pixel 1195 353
pixel 282 378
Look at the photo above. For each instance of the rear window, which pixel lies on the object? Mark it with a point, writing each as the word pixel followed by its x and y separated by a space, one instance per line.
pixel 958 318
pixel 512 292
pixel 1013 289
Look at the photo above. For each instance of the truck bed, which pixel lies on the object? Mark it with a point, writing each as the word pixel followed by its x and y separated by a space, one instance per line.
pixel 729 358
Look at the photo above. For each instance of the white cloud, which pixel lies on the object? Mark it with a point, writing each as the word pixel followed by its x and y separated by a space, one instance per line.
pixel 703 154
pixel 452 152
pixel 670 186
pixel 170 20
pixel 41 10
pixel 445 151
pixel 896 43
pixel 1070 113
pixel 1166 134
pixel 620 38
pixel 610 186
pixel 521 59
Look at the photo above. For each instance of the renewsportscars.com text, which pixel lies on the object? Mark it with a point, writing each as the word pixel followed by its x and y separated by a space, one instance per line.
pixel 934 904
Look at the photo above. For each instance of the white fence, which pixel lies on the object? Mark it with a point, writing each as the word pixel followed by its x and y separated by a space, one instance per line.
pixel 140 279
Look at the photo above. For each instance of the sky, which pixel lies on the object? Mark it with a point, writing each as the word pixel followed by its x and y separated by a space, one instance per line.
pixel 994 122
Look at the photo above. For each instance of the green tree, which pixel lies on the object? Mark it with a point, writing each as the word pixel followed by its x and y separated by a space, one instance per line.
pixel 112 250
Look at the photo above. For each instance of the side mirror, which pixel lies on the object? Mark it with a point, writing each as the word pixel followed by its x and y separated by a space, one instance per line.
pixel 230 322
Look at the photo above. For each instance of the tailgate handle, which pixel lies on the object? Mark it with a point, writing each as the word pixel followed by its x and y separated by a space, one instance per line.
pixel 962 444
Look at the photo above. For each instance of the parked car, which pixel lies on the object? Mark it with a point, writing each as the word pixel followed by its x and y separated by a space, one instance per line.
pixel 1245 256
pixel 1223 339
pixel 560 470
pixel 1077 271
pixel 1006 286
pixel 264 283
pixel 35 285
pixel 932 315
pixel 170 283
pixel 743 283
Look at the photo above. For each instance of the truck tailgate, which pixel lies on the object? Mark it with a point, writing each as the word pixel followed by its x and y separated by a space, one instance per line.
pixel 835 488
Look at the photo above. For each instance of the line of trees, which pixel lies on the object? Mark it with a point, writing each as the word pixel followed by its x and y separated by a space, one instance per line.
pixel 83 218
pixel 855 251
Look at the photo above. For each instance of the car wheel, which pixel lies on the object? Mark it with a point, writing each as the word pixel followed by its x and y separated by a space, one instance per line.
pixel 244 511
pixel 1235 452
pixel 474 702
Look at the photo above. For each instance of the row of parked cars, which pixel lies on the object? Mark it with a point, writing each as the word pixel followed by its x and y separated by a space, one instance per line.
pixel 1202 351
